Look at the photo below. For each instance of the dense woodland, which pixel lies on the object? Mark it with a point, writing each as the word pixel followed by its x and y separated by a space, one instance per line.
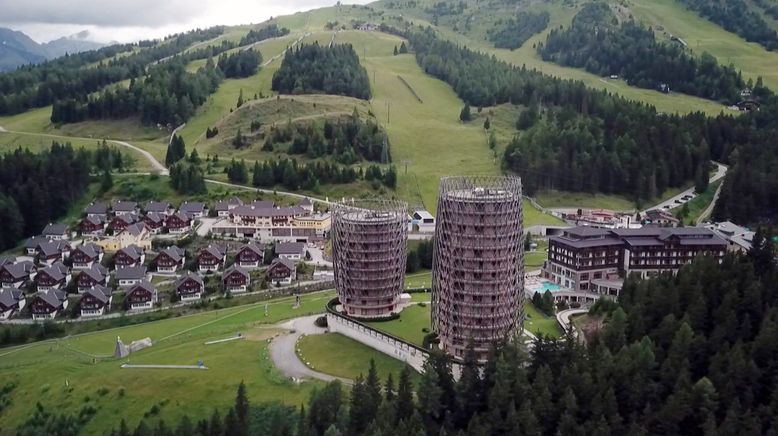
pixel 38 188
pixel 242 63
pixel 347 139
pixel 267 32
pixel 598 43
pixel 515 31
pixel 312 69
pixel 737 17
pixel 293 176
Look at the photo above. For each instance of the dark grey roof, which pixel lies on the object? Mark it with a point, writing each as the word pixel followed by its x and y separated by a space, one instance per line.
pixel 134 229
pixel 189 275
pixel 89 249
pixel 286 262
pixel 225 204
pixel 128 218
pixel 306 202
pixel 20 269
pixel 192 207
pixel 156 206
pixel 102 293
pixel 125 206
pixel 55 229
pixel 586 231
pixel 155 217
pixel 34 241
pixel 57 271
pixel 134 272
pixel 714 240
pixel 96 209
pixel 6 260
pixel 133 251
pixel 50 248
pixel 586 243
pixel 174 252
pixel 52 298
pixel 183 216
pixel 640 242
pixel 95 219
pixel 252 246
pixel 290 248
pixel 645 231
pixel 143 284
pixel 215 250
pixel 236 268
pixel 97 272
pixel 10 297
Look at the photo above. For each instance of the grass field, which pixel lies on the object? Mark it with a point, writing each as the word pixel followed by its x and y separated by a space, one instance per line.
pixel 337 355
pixel 409 326
pixel 64 375
pixel 563 199
pixel 534 259
pixel 420 279
pixel 537 322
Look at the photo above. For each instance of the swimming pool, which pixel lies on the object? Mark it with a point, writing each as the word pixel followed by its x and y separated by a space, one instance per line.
pixel 549 286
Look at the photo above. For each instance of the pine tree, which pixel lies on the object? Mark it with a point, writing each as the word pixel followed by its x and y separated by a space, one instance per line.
pixel 242 409
pixel 487 123
pixel 194 157
pixel 465 115
pixel 395 50
pixel 239 141
pixel 403 48
pixel 404 408
pixel 231 424
pixel 106 181
pixel 240 99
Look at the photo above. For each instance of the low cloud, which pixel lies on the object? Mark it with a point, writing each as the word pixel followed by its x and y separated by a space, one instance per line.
pixel 147 13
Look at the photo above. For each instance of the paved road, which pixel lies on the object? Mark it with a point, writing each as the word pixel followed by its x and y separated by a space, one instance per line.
pixel 721 171
pixel 205 226
pixel 709 210
pixel 282 350
pixel 154 162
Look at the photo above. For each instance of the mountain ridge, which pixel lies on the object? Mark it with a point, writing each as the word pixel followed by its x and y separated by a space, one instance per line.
pixel 17 48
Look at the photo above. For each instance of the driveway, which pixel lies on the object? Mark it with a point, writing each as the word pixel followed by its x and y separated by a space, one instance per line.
pixel 205 226
pixel 721 171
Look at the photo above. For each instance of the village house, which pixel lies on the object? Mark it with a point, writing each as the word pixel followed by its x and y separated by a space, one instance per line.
pixel 46 305
pixel 87 279
pixel 290 250
pixel 54 277
pixel 282 272
pixel 194 209
pixel 129 257
pixel 32 243
pixel 93 225
pixel 122 221
pixel 170 259
pixel 17 275
pixel 160 207
pixel 224 207
pixel 660 218
pixel 98 210
pixel 127 277
pixel 136 234
pixel 95 301
pixel 179 223
pixel 125 208
pixel 211 258
pixel 236 279
pixel 56 232
pixel 52 251
pixel 11 301
pixel 154 222
pixel 306 205
pixel 7 260
pixel 141 296
pixel 86 255
pixel 250 255
pixel 190 286
pixel 264 221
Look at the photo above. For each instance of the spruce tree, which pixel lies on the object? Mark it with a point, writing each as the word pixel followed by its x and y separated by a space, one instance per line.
pixel 242 408
pixel 465 115
pixel 240 99
pixel 405 407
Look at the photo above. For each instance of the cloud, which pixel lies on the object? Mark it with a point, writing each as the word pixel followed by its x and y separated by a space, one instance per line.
pixel 112 13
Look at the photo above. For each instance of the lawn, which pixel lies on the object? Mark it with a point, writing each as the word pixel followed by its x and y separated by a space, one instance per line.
pixel 338 355
pixel 698 204
pixel 64 375
pixel 537 322
pixel 409 326
pixel 419 279
pixel 564 199
pixel 534 259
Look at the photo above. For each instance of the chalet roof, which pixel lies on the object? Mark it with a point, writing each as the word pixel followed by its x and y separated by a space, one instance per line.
pixel 102 293
pixel 713 240
pixel 645 231
pixel 55 229
pixel 52 298
pixel 143 285
pixel 10 296
pixel 174 252
pixel 586 243
pixel 156 206
pixel 193 207
pixel 252 246
pixel 58 271
pixel 189 275
pixel 290 248
pixel 224 205
pixel 94 219
pixel 90 250
pixel 306 202
pixel 125 206
pixel 128 218
pixel 51 248
pixel 586 232
pixel 134 229
pixel 235 268
pixel 34 241
pixel 7 260
pixel 19 270
pixel 285 262
pixel 656 214
pixel 155 217
pixel 643 242
pixel 215 250
pixel 96 209
pixel 133 251
pixel 97 272
pixel 183 216
pixel 131 273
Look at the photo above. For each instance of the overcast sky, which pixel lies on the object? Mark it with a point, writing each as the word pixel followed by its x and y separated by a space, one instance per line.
pixel 125 21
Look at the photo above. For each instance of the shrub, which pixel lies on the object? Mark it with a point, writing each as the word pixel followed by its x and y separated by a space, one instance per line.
pixel 321 322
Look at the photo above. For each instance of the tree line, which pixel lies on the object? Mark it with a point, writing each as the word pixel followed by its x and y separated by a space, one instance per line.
pixel 243 63
pixel 737 17
pixel 313 69
pixel 267 32
pixel 347 139
pixel 293 176
pixel 598 43
pixel 515 31
pixel 420 257
pixel 39 188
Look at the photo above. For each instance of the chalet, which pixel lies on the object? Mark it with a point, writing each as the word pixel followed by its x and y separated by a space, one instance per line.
pixel 170 259
pixel 46 305
pixel 211 258
pixel 125 208
pixel 7 260
pixel 236 279
pixel 141 296
pixel 127 277
pixel 160 207
pixel 17 274
pixel 87 279
pixel 290 250
pixel 659 217
pixel 93 225
pixel 56 231
pixel 179 222
pixel 95 301
pixel 86 255
pixel 154 222
pixel 194 209
pixel 135 234
pixel 32 243
pixel 99 210
pixel 52 251
pixel 224 207
pixel 282 272
pixel 11 301
pixel 53 277
pixel 129 257
pixel 250 255
pixel 121 222
pixel 190 286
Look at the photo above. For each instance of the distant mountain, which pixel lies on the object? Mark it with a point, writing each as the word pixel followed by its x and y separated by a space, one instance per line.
pixel 18 49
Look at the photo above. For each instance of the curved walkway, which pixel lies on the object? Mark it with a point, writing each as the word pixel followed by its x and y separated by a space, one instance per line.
pixel 154 162
pixel 563 317
pixel 284 355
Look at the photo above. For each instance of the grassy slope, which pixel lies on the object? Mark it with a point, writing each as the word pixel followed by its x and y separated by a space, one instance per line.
pixel 409 326
pixel 534 259
pixel 43 369
pixel 538 322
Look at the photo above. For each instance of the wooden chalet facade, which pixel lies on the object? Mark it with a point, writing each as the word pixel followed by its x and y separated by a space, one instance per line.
pixel 190 287
pixel 282 272
pixel 52 277
pixel 154 222
pixel 17 275
pixel 211 258
pixel 11 301
pixel 90 278
pixel 95 302
pixel 86 255
pixel 178 223
pixel 129 257
pixel 52 251
pixel 46 305
pixel 122 221
pixel 93 225
pixel 250 255
pixel 236 279
pixel 141 296
pixel 170 259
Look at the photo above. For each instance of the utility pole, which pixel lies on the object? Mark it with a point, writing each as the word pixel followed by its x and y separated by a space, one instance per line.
pixel 406 162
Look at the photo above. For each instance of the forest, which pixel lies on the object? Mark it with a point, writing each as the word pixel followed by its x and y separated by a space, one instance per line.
pixel 38 188
pixel 267 32
pixel 242 63
pixel 692 354
pixel 293 176
pixel 597 43
pixel 347 139
pixel 313 69
pixel 737 17
pixel 515 31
